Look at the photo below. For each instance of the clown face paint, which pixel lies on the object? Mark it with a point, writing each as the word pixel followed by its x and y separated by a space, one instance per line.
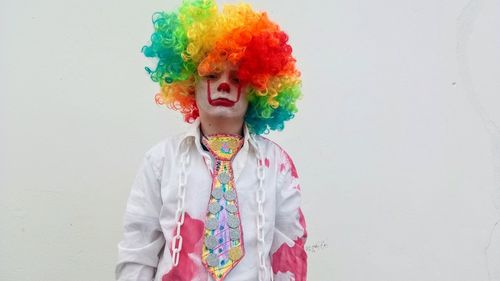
pixel 220 95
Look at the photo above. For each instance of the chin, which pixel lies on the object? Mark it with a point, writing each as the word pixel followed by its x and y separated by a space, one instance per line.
pixel 224 113
pixel 233 112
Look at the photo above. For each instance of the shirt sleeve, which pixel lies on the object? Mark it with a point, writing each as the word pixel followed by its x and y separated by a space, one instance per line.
pixel 143 240
pixel 288 255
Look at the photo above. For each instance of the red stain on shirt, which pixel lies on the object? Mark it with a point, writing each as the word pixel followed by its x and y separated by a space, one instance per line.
pixel 187 269
pixel 292 259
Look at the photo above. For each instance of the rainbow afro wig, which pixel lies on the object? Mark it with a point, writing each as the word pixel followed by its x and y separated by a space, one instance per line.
pixel 199 39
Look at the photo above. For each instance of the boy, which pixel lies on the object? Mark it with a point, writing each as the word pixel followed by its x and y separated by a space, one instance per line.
pixel 219 202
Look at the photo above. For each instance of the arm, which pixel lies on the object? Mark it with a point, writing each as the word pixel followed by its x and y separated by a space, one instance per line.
pixel 288 256
pixel 138 251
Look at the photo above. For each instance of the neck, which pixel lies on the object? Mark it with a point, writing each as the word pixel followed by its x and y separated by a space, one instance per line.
pixel 211 126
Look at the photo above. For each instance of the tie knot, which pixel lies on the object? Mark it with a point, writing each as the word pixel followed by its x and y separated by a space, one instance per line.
pixel 223 146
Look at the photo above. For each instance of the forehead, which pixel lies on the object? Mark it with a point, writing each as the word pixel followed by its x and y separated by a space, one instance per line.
pixel 220 67
pixel 226 67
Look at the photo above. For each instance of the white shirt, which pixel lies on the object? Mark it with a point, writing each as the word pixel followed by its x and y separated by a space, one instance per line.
pixel 144 253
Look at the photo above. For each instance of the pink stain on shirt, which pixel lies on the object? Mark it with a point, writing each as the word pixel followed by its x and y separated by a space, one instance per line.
pixel 289 159
pixel 292 166
pixel 282 167
pixel 266 162
pixel 187 270
pixel 292 259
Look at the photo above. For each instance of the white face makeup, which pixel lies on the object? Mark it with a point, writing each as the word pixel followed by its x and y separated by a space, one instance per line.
pixel 221 95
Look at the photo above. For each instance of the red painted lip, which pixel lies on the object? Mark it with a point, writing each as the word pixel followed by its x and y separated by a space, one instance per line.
pixel 222 102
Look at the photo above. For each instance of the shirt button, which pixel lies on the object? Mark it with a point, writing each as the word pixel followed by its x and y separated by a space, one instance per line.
pixel 213 260
pixel 234 234
pixel 235 254
pixel 212 224
pixel 214 207
pixel 223 178
pixel 211 242
pixel 231 208
pixel 233 221
pixel 230 195
pixel 217 193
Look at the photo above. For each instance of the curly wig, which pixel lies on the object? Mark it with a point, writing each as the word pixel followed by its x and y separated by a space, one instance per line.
pixel 198 39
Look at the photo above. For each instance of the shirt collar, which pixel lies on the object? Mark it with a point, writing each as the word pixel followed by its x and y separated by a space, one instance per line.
pixel 194 133
pixel 193 136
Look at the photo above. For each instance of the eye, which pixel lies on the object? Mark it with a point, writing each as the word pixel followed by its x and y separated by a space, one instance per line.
pixel 212 76
pixel 234 78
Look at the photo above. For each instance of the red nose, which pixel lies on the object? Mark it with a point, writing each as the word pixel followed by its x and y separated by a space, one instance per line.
pixel 224 87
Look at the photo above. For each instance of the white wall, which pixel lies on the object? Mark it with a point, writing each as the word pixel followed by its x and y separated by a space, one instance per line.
pixel 397 140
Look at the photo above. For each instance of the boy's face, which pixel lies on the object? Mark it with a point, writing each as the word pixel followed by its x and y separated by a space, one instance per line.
pixel 221 95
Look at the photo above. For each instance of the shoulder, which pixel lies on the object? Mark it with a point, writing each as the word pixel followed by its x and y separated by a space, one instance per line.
pixel 160 148
pixel 283 158
pixel 160 153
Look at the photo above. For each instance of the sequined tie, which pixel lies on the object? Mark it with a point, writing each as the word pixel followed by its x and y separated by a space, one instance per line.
pixel 223 240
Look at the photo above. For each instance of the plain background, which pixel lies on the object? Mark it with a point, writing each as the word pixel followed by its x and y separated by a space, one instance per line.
pixel 397 141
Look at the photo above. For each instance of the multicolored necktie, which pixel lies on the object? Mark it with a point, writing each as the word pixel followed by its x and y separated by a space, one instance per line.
pixel 223 240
